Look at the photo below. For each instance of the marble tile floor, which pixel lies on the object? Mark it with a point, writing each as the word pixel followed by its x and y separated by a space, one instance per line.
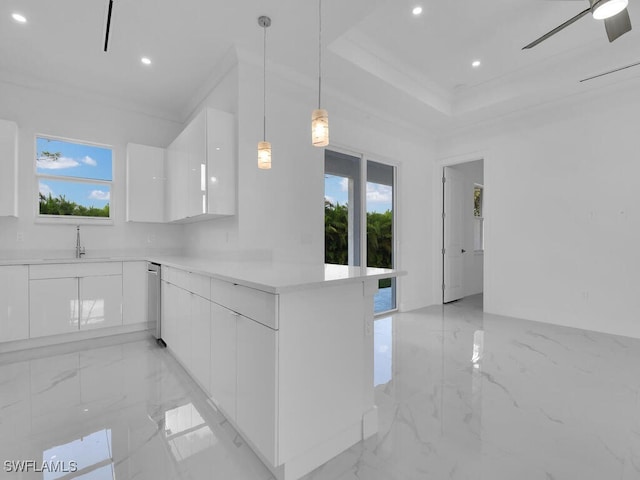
pixel 462 395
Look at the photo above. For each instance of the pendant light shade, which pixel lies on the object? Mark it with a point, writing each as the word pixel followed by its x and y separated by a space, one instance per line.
pixel 264 155
pixel 320 117
pixel 264 147
pixel 320 127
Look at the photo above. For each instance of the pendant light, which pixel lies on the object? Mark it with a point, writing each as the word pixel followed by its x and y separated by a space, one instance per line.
pixel 264 147
pixel 320 117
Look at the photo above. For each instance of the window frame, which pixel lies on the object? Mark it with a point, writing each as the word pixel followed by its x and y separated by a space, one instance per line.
pixel 364 158
pixel 71 219
pixel 478 219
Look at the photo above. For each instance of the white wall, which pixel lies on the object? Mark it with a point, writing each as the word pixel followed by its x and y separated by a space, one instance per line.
pixel 563 221
pixel 281 211
pixel 37 111
pixel 472 262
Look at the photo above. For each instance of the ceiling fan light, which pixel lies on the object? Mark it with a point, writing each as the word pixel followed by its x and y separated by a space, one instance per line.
pixel 608 8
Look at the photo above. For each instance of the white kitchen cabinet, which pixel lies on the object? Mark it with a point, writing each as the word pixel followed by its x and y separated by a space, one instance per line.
pixel 14 303
pixel 201 180
pixel 223 359
pixel 53 306
pixel 182 336
pixel 200 365
pixel 256 385
pixel 146 181
pixel 134 293
pixel 196 158
pixel 176 185
pixel 100 302
pixel 169 315
pixel 67 298
pixel 9 163
pixel 292 371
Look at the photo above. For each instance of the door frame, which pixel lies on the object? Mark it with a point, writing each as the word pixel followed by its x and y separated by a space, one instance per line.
pixel 438 223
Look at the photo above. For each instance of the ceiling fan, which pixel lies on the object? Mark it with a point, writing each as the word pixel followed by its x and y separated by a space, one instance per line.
pixel 613 12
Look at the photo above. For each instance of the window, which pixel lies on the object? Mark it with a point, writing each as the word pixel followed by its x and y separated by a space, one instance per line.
pixel 74 179
pixel 360 217
pixel 478 219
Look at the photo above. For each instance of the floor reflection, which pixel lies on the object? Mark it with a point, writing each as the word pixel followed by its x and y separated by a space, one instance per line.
pixel 120 411
pixel 383 350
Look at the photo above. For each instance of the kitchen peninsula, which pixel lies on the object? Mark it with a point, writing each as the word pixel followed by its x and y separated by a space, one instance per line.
pixel 284 351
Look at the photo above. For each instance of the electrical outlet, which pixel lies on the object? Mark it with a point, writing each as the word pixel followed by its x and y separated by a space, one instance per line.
pixel 20 237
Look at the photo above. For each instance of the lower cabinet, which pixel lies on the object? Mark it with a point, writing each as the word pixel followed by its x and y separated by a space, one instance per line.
pixel 169 312
pixel 100 302
pixel 223 359
pixel 256 385
pixel 53 306
pixel 68 298
pixel 200 341
pixel 134 293
pixel 14 303
pixel 186 327
pixel 231 356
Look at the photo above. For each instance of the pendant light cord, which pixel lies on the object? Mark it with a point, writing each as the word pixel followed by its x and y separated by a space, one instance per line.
pixel 264 87
pixel 319 52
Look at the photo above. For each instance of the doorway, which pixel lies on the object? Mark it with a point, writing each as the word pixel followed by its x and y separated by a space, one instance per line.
pixel 463 214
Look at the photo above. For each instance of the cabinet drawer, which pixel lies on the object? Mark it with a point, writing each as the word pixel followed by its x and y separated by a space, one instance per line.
pixel 200 285
pixel 99 269
pixel 61 270
pixel 191 282
pixel 255 304
pixel 72 270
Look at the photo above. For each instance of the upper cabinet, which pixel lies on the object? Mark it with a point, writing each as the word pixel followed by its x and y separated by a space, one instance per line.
pixel 192 179
pixel 9 163
pixel 201 181
pixel 145 183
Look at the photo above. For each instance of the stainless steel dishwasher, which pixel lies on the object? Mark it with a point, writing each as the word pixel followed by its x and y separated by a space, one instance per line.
pixel 154 318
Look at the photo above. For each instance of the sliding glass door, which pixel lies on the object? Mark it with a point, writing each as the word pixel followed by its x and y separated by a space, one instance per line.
pixel 380 229
pixel 359 217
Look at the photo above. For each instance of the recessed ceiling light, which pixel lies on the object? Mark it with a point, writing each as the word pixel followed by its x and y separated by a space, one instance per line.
pixel 146 60
pixel 19 18
pixel 417 10
pixel 475 63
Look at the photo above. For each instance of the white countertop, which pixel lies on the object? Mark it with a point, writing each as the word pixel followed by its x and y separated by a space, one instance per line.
pixel 277 277
pixel 266 276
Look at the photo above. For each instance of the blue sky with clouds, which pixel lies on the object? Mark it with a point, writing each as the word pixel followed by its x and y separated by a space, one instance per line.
pixel 77 161
pixel 379 197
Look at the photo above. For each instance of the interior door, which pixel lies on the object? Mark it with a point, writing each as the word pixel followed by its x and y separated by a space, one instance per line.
pixel 452 215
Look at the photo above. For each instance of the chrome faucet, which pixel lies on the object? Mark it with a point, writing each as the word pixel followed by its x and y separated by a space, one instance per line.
pixel 79 249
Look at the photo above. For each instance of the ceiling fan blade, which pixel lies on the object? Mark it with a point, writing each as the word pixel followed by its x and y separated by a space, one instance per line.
pixel 557 29
pixel 617 25
pixel 108 27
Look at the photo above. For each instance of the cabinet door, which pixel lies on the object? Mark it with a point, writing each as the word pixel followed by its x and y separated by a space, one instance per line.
pixel 221 170
pixel 134 293
pixel 14 303
pixel 182 342
pixel 169 314
pixel 100 302
pixel 145 183
pixel 200 365
pixel 256 387
pixel 53 306
pixel 176 169
pixel 223 359
pixel 196 146
pixel 9 162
